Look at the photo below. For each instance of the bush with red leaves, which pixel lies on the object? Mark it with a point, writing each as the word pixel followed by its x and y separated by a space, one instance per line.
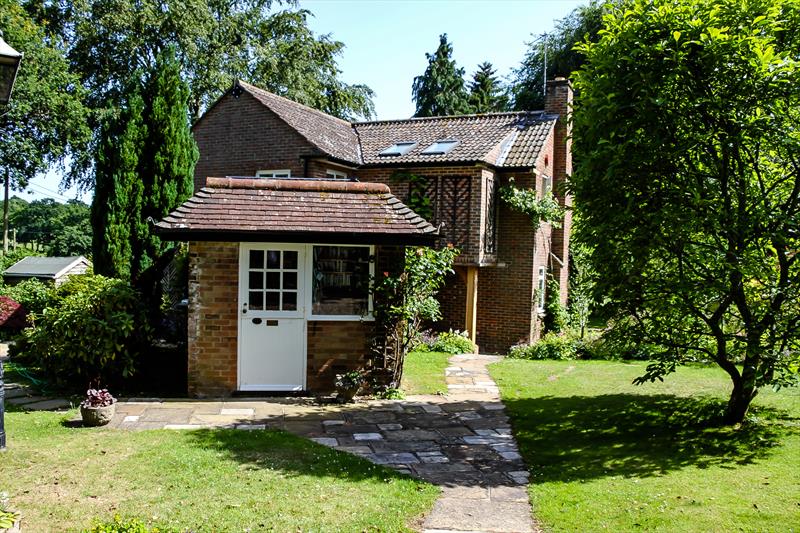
pixel 12 315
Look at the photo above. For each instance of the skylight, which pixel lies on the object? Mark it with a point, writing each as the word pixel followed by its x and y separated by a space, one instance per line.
pixel 440 147
pixel 401 148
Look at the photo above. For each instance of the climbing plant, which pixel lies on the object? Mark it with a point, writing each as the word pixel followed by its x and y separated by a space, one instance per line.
pixel 524 200
pixel 418 199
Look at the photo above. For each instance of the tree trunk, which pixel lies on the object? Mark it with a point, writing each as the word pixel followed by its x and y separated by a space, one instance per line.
pixel 739 402
pixel 5 216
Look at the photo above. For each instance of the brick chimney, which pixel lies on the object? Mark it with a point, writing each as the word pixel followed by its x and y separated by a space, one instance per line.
pixel 558 101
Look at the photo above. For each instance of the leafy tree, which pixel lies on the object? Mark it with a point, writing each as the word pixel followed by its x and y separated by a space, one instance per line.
pixel 45 121
pixel 527 84
pixel 486 92
pixel 440 90
pixel 118 190
pixel 166 166
pixel 689 184
pixel 581 286
pixel 45 222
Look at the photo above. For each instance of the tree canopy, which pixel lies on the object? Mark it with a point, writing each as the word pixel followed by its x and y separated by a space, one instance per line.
pixel 689 183
pixel 486 91
pixel 440 90
pixel 59 229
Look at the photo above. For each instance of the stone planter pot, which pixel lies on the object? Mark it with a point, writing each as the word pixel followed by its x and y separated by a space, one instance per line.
pixel 98 416
pixel 346 395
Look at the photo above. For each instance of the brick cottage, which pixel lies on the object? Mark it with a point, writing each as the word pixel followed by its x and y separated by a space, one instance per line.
pixel 295 210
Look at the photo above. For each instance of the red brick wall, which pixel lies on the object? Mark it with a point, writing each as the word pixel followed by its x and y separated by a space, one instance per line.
pixel 335 347
pixel 213 316
pixel 240 136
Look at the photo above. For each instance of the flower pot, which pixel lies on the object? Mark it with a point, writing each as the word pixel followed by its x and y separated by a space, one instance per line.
pixel 346 395
pixel 97 416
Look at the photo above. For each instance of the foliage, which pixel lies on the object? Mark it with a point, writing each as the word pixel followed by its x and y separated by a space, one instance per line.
pixel 526 201
pixel 686 134
pixel 62 229
pixel 91 331
pixel 117 202
pixel 392 394
pixel 45 121
pixel 12 314
pixel 584 22
pixel 98 398
pixel 120 525
pixel 551 346
pixel 555 315
pixel 7 519
pixel 417 199
pixel 405 301
pixel 440 90
pixel 452 342
pixel 651 457
pixel 169 153
pixel 486 91
pixel 32 294
pixel 349 380
pixel 581 286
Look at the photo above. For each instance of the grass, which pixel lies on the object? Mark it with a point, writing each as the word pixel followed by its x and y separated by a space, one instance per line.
pixel 423 373
pixel 606 455
pixel 64 478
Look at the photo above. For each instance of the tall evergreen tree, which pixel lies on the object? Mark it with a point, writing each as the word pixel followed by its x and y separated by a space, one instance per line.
pixel 486 92
pixel 166 167
pixel 440 90
pixel 118 190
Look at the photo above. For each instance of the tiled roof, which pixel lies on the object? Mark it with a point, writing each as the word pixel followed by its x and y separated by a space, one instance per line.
pixel 500 139
pixel 296 210
pixel 333 136
pixel 480 138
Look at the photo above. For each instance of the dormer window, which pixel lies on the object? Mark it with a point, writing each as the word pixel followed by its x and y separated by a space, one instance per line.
pixel 440 147
pixel 400 148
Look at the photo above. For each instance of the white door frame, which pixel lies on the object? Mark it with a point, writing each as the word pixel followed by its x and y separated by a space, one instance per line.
pixel 300 314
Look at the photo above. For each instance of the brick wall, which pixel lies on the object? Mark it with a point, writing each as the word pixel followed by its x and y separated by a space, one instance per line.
pixel 335 347
pixel 240 136
pixel 213 316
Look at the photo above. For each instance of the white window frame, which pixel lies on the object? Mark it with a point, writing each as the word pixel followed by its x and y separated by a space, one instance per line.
pixel 541 287
pixel 336 174
pixel 309 293
pixel 547 185
pixel 274 174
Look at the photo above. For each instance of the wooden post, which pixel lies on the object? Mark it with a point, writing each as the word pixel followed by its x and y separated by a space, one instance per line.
pixel 472 303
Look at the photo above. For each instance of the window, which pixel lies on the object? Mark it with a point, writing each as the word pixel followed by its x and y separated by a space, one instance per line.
pixel 335 174
pixel 440 147
pixel 341 280
pixel 400 148
pixel 274 174
pixel 272 280
pixel 547 185
pixel 541 287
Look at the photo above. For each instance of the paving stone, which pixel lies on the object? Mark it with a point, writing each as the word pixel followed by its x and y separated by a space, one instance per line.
pixel 215 420
pixel 486 432
pixel 367 436
pixel 434 459
pixel 429 453
pixel 15 392
pixel 479 515
pixel 235 411
pixel 398 458
pixel 326 441
pixel 509 493
pixel 131 418
pixel 467 492
pixel 404 445
pixel 432 408
pixel 358 450
pixel 411 434
pixel 251 427
pixel 48 405
pixel 333 422
pixel 390 427
pixel 520 476
pixel 478 440
pixel 182 426
pixel 469 415
pixel 22 400
pixel 167 415
pixel 493 406
pixel 510 455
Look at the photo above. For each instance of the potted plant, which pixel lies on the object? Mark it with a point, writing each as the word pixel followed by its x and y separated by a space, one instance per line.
pixel 348 384
pixel 98 408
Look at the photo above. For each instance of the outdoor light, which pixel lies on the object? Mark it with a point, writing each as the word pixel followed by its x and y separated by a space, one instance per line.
pixel 9 64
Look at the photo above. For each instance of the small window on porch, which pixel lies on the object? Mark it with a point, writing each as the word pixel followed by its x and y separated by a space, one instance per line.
pixel 274 174
pixel 547 185
pixel 341 281
pixel 541 287
pixel 335 174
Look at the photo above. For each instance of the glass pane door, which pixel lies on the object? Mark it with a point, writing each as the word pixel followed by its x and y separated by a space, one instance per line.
pixel 273 278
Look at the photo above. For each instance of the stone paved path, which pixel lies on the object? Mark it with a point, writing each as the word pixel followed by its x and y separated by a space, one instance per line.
pixel 25 397
pixel 461 442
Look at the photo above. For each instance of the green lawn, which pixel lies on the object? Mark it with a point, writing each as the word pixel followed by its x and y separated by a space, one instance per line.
pixel 606 455
pixel 423 373
pixel 62 478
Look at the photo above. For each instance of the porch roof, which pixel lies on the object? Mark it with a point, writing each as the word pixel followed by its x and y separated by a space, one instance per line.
pixel 296 210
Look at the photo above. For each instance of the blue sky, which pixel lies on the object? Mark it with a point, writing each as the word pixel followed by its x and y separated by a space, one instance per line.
pixel 386 42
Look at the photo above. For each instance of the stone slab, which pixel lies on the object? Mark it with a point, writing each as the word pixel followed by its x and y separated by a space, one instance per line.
pixel 480 515
pixel 48 405
pixel 367 436
pixel 237 411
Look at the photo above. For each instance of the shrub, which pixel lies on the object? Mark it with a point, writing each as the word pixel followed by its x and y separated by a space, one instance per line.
pixel 92 330
pixel 551 346
pixel 555 315
pixel 118 525
pixel 452 342
pixel 32 294
pixel 12 315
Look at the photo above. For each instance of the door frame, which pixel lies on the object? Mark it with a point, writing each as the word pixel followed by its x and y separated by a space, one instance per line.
pixel 244 249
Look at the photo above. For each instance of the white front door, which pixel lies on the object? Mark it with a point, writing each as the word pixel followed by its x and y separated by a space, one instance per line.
pixel 271 320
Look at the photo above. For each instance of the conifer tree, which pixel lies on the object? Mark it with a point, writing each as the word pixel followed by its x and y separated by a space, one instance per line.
pixel 166 167
pixel 486 92
pixel 118 190
pixel 440 90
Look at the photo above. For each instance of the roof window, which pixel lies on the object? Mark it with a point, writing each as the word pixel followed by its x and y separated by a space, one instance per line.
pixel 401 148
pixel 440 147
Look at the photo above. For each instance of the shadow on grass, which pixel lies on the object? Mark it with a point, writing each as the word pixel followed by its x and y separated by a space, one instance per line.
pixel 586 437
pixel 292 455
